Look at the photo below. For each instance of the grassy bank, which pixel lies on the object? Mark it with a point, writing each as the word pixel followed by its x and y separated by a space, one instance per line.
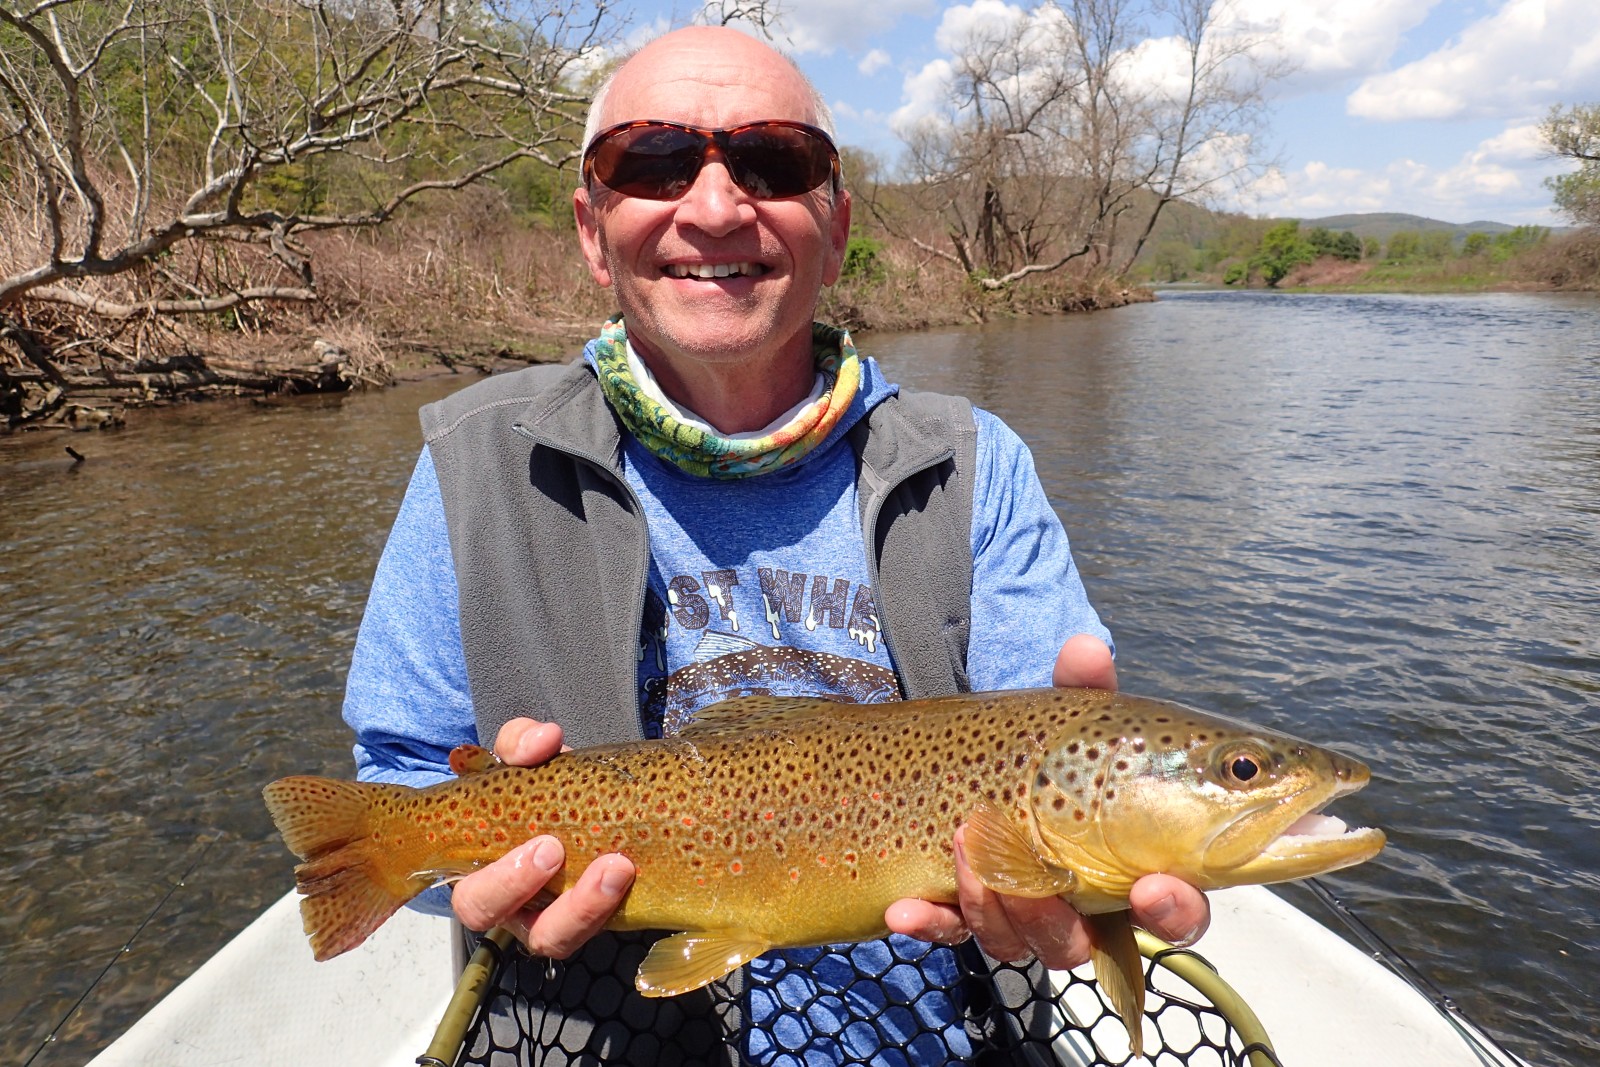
pixel 1569 261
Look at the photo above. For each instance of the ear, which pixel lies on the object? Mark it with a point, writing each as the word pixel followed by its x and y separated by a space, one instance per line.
pixel 838 236
pixel 584 208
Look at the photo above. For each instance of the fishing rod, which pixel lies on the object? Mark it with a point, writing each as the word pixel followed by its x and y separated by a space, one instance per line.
pixel 127 946
pixel 1486 1048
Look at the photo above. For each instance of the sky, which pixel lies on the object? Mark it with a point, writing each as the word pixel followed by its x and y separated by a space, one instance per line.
pixel 1428 107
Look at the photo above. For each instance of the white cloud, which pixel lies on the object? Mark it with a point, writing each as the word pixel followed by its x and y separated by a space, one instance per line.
pixel 981 20
pixel 1500 179
pixel 874 61
pixel 1324 42
pixel 1524 57
pixel 925 93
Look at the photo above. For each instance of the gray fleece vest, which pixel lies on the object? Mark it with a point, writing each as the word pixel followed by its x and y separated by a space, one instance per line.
pixel 551 551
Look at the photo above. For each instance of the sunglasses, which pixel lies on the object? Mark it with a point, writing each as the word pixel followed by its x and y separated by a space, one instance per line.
pixel 655 160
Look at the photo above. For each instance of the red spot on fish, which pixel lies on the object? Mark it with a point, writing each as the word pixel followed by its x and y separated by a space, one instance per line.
pixel 687 821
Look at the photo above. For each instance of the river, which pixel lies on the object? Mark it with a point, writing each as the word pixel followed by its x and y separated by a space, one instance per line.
pixel 1371 520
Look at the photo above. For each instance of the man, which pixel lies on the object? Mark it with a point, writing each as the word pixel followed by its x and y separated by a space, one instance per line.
pixel 722 498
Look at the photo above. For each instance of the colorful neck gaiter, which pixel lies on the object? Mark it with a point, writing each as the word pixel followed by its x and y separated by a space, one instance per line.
pixel 708 455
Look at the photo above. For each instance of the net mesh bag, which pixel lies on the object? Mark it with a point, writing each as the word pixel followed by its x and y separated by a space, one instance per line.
pixel 842 1006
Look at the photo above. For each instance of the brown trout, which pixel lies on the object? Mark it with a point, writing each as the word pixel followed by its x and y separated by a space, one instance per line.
pixel 785 822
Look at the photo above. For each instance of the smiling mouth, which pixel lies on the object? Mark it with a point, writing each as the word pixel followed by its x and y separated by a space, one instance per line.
pixel 707 271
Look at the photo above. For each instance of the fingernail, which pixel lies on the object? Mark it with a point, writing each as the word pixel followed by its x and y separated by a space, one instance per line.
pixel 1161 914
pixel 614 880
pixel 548 855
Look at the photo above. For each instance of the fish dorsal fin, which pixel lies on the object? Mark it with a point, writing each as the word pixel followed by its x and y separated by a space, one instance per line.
pixel 1005 860
pixel 762 712
pixel 685 962
pixel 714 644
pixel 471 759
pixel 1119 970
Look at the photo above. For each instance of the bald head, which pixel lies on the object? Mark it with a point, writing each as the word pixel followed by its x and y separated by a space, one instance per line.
pixel 695 57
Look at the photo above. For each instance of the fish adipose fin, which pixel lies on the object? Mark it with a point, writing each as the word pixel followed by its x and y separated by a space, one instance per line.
pixel 685 962
pixel 1119 970
pixel 348 889
pixel 471 759
pixel 1005 861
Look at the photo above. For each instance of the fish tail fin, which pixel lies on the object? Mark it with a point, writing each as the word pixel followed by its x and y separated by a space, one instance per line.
pixel 350 887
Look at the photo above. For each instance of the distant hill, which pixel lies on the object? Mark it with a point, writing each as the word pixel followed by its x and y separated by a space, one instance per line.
pixel 1384 224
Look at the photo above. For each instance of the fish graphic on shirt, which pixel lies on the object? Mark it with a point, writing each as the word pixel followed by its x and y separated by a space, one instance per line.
pixel 727 666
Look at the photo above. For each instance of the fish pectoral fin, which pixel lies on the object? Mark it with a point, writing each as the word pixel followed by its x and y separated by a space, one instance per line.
pixel 1119 970
pixel 1005 861
pixel 685 962
pixel 471 759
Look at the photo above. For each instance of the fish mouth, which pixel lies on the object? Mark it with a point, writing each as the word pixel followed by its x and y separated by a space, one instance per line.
pixel 1312 844
pixel 1305 841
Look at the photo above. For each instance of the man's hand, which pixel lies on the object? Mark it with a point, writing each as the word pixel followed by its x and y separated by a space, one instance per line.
pixel 1014 928
pixel 499 894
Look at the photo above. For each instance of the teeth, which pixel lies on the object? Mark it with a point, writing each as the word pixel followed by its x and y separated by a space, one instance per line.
pixel 1317 826
pixel 710 270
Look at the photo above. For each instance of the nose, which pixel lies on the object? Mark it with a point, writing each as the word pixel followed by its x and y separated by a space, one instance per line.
pixel 714 204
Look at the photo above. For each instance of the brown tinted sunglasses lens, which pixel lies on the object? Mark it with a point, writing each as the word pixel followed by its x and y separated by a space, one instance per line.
pixel 660 162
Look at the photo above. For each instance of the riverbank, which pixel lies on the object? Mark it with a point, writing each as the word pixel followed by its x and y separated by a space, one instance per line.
pixel 1568 263
pixel 378 332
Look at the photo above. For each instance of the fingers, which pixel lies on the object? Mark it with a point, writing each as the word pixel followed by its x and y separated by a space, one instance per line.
pixel 927 921
pixel 579 913
pixel 492 895
pixel 499 895
pixel 1170 908
pixel 1085 661
pixel 528 742
pixel 1012 929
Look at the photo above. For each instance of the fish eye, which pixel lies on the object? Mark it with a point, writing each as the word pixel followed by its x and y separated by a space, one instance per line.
pixel 1242 767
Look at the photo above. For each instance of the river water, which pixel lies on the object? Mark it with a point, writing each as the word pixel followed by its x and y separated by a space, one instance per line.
pixel 1370 520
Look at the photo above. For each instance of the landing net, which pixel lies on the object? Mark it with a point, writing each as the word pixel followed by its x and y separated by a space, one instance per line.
pixel 584 1012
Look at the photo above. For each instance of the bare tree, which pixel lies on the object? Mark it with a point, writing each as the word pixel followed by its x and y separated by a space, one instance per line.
pixel 1071 123
pixel 135 130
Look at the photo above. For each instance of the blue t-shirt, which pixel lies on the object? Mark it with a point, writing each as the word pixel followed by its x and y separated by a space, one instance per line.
pixel 756 585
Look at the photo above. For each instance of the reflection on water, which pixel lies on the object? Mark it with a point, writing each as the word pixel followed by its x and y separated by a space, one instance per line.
pixel 1369 520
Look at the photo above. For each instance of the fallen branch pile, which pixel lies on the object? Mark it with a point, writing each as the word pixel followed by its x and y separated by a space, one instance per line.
pixel 51 377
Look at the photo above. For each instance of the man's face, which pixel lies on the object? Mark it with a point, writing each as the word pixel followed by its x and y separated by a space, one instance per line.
pixel 650 252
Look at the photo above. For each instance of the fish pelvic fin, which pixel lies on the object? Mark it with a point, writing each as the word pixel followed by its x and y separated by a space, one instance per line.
pixel 1119 970
pixel 685 962
pixel 1004 860
pixel 348 886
